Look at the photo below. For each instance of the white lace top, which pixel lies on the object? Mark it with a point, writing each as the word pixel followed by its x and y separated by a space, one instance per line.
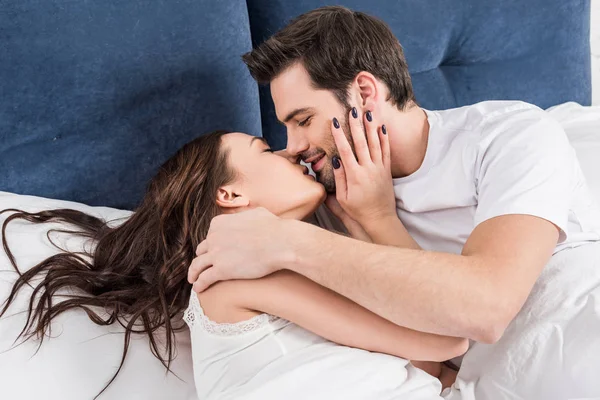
pixel 194 316
pixel 270 358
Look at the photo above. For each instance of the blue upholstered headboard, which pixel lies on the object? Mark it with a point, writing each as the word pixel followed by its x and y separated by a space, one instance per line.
pixel 95 95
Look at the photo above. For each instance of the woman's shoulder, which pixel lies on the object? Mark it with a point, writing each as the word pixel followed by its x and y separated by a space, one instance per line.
pixel 222 303
pixel 266 299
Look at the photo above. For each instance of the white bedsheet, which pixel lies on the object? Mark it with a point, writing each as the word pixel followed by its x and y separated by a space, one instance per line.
pixel 551 351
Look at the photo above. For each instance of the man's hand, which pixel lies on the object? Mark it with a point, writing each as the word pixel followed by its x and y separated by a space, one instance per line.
pixel 238 246
pixel 364 186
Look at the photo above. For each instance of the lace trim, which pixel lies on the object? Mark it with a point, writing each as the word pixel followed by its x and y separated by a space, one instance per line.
pixel 194 316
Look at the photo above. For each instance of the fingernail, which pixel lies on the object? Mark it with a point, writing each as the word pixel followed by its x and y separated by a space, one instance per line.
pixel 336 123
pixel 383 129
pixel 336 162
pixel 369 116
pixel 354 112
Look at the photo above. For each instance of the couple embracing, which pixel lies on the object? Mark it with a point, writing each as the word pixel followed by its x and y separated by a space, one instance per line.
pixel 448 220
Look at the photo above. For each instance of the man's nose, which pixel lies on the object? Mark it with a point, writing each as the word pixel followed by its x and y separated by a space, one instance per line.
pixel 296 144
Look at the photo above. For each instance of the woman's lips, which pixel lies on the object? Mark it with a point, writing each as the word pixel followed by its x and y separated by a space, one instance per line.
pixel 316 166
pixel 306 172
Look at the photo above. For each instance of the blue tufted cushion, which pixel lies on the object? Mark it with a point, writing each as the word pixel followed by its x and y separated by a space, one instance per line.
pixel 464 51
pixel 94 95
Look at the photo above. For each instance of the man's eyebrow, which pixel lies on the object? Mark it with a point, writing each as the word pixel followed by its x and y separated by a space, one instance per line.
pixel 262 139
pixel 296 112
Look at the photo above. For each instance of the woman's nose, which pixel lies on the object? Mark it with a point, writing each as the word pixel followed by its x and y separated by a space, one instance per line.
pixel 290 157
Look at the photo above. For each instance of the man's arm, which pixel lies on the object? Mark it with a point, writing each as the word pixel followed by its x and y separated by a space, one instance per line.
pixel 473 295
pixel 521 178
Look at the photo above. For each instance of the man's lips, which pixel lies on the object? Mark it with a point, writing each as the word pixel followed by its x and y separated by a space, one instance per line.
pixel 313 158
pixel 316 162
pixel 317 166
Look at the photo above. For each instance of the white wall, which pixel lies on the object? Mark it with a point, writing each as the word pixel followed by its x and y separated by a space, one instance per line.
pixel 595 40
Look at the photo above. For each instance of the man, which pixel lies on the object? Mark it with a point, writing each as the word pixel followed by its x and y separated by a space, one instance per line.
pixel 478 201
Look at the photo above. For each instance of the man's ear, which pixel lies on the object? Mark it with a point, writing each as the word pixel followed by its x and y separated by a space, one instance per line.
pixel 229 197
pixel 368 90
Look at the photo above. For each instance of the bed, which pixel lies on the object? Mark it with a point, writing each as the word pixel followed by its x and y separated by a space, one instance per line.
pixel 95 95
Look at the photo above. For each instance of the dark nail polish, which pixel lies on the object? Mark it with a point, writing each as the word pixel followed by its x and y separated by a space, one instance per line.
pixel 354 112
pixel 369 116
pixel 383 130
pixel 336 123
pixel 336 162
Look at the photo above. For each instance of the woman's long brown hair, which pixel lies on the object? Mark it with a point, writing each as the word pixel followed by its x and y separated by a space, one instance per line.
pixel 136 275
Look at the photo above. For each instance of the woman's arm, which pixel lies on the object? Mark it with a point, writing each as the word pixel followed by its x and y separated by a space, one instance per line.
pixel 327 314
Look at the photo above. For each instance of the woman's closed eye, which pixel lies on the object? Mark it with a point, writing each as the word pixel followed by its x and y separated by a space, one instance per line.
pixel 269 150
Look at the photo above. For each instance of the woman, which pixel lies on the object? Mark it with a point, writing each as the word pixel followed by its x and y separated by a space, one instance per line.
pixel 251 339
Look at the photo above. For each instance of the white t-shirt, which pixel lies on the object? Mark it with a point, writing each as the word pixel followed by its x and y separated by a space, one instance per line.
pixel 491 159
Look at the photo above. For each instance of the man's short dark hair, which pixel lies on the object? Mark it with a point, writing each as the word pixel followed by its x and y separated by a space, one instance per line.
pixel 334 44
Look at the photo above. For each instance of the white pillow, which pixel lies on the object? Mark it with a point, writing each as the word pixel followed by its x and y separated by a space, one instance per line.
pixel 582 125
pixel 80 357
